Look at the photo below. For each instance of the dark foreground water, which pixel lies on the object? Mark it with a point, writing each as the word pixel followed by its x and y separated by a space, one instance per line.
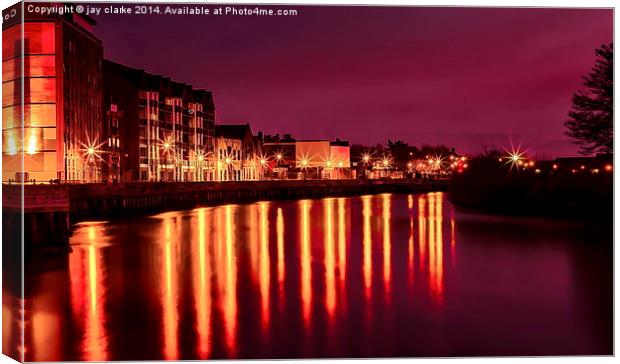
pixel 385 275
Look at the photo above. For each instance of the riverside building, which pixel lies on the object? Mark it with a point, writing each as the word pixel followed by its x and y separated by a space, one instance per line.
pixel 166 128
pixel 59 129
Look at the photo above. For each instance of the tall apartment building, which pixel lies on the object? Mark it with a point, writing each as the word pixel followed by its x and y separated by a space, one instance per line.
pixel 57 125
pixel 165 128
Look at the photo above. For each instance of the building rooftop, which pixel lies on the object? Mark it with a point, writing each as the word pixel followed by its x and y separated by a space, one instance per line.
pixel 233 131
pixel 149 81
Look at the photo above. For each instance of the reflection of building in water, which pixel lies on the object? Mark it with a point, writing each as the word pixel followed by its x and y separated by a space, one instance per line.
pixel 226 272
pixel 201 279
pixel 411 242
pixel 88 293
pixel 343 233
pixel 280 252
pixel 264 264
pixel 330 262
pixel 12 305
pixel 305 260
pixel 169 282
pixel 430 226
pixel 387 245
pixel 367 246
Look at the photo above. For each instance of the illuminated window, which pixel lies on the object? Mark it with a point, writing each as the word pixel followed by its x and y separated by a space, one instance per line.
pixel 34 66
pixel 41 90
pixel 11 141
pixel 39 38
pixel 33 140
pixel 11 117
pixel 11 93
pixel 11 42
pixel 41 115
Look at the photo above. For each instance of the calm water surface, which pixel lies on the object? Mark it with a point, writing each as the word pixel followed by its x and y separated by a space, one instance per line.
pixel 384 275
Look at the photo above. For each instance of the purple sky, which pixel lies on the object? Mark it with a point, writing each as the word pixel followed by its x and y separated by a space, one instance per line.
pixel 467 77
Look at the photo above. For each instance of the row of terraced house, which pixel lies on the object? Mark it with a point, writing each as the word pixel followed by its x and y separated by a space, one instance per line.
pixel 84 118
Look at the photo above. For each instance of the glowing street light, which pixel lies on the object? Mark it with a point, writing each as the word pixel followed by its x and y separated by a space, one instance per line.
pixel 608 167
pixel 228 160
pixel 515 157
pixel 91 150
pixel 279 156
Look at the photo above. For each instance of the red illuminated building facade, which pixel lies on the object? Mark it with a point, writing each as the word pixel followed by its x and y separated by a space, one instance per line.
pixel 58 126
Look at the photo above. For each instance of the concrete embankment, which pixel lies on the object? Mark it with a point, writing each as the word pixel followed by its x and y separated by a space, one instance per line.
pixel 49 210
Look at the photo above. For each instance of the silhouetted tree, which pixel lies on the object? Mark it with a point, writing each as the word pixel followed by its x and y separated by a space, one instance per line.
pixel 590 121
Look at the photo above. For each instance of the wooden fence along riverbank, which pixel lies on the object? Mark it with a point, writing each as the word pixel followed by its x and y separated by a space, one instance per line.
pixel 49 210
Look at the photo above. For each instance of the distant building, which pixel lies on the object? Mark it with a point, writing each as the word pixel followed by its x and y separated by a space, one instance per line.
pixel 237 152
pixel 596 164
pixel 62 122
pixel 316 159
pixel 166 130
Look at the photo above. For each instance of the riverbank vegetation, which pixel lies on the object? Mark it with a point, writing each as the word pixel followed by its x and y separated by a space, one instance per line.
pixel 495 187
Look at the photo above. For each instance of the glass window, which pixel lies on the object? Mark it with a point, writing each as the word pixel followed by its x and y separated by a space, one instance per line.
pixel 11 141
pixel 34 66
pixel 37 90
pixel 41 90
pixel 11 42
pixel 11 69
pixel 33 140
pixel 11 94
pixel 11 117
pixel 40 115
pixel 39 38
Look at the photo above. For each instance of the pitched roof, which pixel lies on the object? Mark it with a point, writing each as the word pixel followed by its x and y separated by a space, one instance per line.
pixel 232 131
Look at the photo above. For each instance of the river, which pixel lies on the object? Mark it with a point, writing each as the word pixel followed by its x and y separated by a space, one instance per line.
pixel 368 276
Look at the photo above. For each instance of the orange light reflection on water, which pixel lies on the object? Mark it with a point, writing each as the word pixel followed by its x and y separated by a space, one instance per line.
pixel 387 246
pixel 435 242
pixel 202 286
pixel 227 274
pixel 280 252
pixel 422 231
pixel 330 263
pixel 342 251
pixel 411 242
pixel 264 262
pixel 169 292
pixel 88 296
pixel 306 268
pixel 367 246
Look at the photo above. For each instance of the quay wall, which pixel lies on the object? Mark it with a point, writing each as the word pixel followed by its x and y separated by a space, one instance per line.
pixel 50 210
